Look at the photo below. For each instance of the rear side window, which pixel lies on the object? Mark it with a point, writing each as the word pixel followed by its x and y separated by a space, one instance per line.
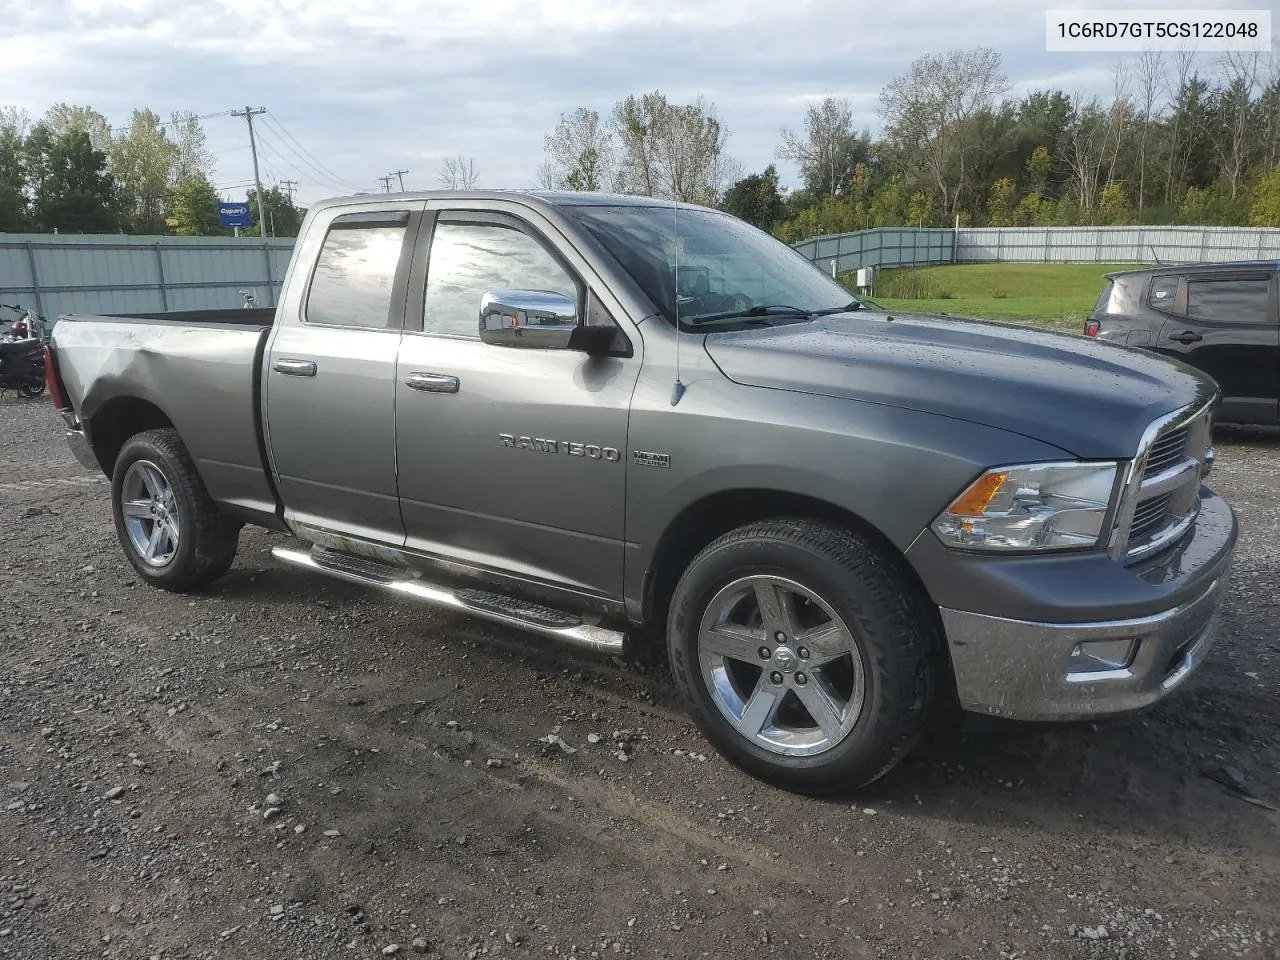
pixel 1164 291
pixel 354 276
pixel 1238 300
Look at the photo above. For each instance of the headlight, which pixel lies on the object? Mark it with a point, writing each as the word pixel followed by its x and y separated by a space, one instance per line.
pixel 1041 506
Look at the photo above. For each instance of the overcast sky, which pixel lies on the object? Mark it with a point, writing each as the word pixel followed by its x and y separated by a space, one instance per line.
pixel 369 86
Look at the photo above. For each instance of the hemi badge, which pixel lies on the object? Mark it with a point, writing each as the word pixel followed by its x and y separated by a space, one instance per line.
pixel 644 459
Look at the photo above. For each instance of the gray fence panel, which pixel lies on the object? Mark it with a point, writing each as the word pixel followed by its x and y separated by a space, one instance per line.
pixel 903 246
pixel 61 274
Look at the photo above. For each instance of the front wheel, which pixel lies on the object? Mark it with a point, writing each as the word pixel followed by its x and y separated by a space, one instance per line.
pixel 802 653
pixel 170 528
pixel 31 390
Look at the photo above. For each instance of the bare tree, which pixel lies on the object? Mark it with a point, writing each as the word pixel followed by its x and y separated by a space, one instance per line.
pixel 926 113
pixel 1085 149
pixel 829 149
pixel 579 153
pixel 1150 71
pixel 1240 74
pixel 1182 65
pixel 1117 116
pixel 676 151
pixel 458 173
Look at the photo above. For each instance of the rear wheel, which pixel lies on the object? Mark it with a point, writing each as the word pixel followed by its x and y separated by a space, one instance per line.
pixel 802 653
pixel 31 390
pixel 171 531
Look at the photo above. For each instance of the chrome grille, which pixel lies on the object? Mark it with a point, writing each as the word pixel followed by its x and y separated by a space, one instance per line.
pixel 1162 496
pixel 1165 452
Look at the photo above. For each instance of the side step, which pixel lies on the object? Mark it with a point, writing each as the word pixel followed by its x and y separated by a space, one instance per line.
pixel 546 621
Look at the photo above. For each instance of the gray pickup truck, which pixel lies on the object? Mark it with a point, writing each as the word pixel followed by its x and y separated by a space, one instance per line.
pixel 595 417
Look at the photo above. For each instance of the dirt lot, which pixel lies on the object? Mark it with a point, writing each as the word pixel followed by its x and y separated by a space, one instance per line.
pixel 142 733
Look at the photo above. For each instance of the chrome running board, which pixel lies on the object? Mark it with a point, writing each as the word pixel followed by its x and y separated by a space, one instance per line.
pixel 535 618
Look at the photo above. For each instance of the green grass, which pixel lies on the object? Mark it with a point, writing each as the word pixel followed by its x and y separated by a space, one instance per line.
pixel 1056 295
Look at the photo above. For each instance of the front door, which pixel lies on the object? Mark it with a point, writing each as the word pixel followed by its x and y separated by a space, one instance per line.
pixel 330 378
pixel 1226 325
pixel 510 460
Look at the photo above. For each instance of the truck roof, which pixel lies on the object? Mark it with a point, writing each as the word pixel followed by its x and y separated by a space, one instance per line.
pixel 554 198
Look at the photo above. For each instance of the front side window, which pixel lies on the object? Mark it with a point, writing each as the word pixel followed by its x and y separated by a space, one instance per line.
pixel 354 276
pixel 1240 300
pixel 469 260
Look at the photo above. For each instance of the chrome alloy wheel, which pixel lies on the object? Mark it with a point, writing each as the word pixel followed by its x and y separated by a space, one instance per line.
pixel 781 665
pixel 150 514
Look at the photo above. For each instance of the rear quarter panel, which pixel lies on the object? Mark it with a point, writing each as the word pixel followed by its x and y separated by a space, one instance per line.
pixel 200 376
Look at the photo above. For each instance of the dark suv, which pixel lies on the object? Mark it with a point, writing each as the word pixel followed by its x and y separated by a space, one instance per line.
pixel 1219 317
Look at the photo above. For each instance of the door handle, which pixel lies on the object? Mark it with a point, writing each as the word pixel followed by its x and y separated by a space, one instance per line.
pixel 1188 336
pixel 295 368
pixel 432 382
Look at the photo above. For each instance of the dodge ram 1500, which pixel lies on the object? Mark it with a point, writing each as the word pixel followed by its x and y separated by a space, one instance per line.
pixel 598 417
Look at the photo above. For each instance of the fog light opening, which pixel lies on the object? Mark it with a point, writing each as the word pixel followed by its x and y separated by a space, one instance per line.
pixel 1092 657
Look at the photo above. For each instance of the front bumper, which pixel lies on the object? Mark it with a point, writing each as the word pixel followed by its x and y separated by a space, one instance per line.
pixel 1023 669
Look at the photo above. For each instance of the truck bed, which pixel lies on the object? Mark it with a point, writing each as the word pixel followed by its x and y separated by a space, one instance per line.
pixel 199 370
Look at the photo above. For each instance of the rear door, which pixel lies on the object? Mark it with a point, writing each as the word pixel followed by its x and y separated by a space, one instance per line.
pixel 329 383
pixel 1225 323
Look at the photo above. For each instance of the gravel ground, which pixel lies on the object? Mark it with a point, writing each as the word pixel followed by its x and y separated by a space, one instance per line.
pixel 291 767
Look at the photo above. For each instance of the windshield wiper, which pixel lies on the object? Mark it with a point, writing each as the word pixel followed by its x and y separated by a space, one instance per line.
pixel 847 308
pixel 765 310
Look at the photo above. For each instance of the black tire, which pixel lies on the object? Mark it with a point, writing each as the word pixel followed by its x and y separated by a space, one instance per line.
pixel 207 540
pixel 888 617
pixel 31 390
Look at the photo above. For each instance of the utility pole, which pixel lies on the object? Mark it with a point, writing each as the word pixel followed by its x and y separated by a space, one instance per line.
pixel 386 182
pixel 289 186
pixel 400 174
pixel 249 113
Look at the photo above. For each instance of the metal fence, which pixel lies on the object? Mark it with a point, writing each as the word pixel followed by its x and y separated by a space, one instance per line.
pixel 118 274
pixel 58 274
pixel 903 246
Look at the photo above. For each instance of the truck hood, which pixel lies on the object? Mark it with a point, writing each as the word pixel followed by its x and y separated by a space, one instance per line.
pixel 1089 398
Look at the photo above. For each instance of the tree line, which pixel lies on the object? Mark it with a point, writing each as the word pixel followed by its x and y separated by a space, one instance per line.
pixel 1178 140
pixel 72 172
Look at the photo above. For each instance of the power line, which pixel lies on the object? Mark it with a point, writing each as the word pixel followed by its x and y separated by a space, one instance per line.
pixel 305 168
pixel 307 174
pixel 289 186
pixel 174 123
pixel 276 124
pixel 386 182
pixel 400 174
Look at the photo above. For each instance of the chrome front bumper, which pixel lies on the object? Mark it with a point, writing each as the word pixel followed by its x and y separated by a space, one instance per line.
pixel 1023 670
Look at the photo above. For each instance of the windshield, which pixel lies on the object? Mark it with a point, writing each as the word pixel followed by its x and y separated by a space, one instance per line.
pixel 727 269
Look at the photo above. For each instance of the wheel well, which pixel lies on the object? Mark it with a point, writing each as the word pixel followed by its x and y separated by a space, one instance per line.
pixel 117 421
pixel 702 522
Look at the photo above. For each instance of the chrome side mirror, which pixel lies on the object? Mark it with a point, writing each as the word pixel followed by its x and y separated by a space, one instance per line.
pixel 533 319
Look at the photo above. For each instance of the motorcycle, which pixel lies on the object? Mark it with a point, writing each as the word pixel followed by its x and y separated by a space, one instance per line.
pixel 29 325
pixel 22 355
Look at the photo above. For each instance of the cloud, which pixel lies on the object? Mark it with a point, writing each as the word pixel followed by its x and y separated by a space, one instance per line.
pixel 367 86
